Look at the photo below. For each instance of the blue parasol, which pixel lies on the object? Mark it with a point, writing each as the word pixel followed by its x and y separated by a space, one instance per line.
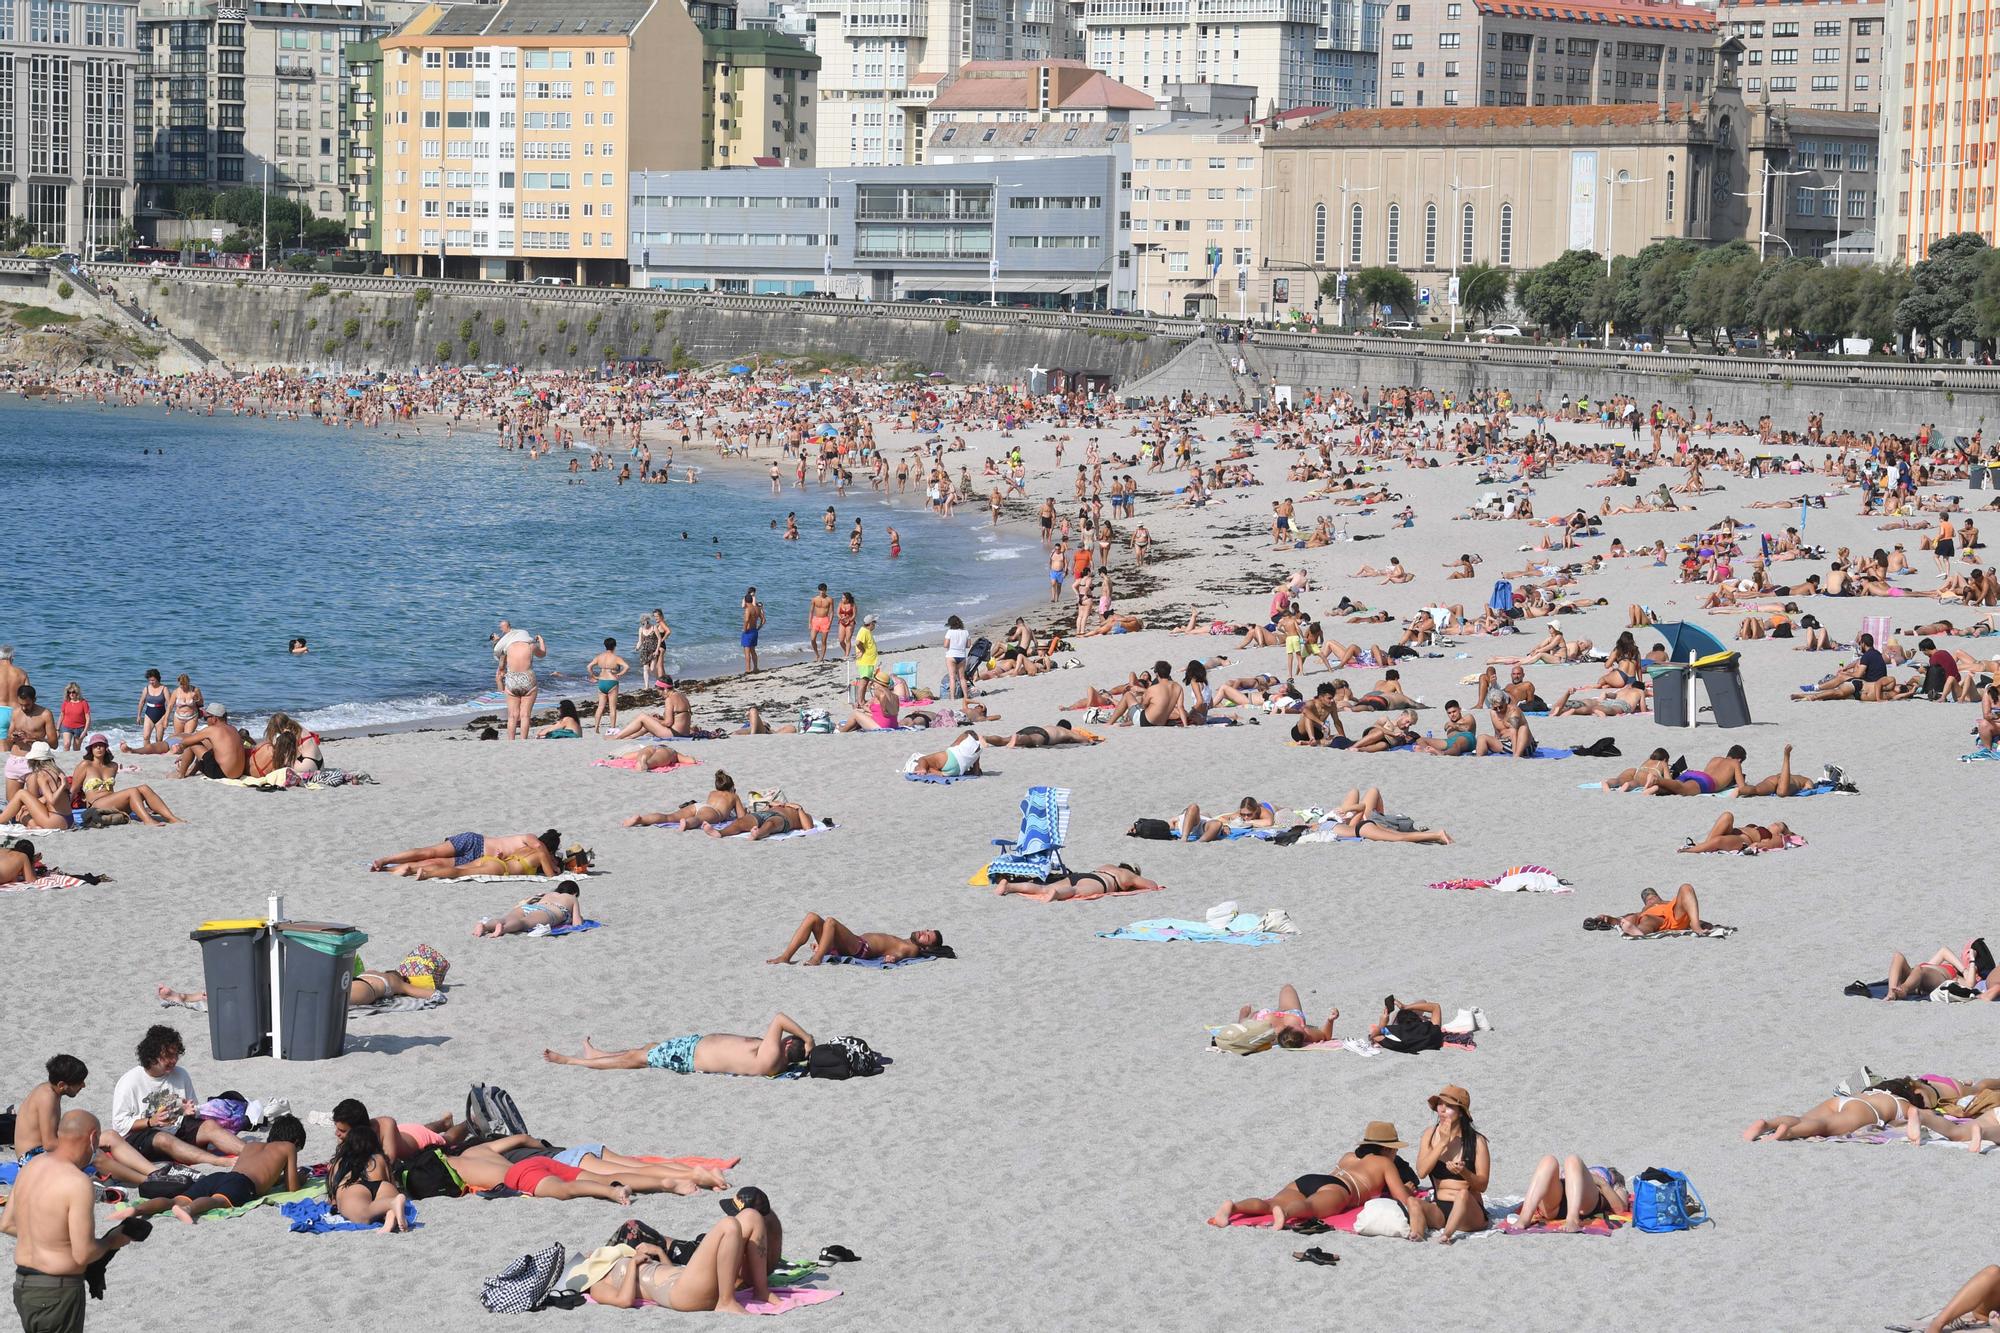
pixel 1686 642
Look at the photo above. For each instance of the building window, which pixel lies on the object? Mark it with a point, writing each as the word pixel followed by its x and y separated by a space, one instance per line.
pixel 1354 232
pixel 1507 233
pixel 1670 196
pixel 1430 235
pixel 1465 223
pixel 1319 233
pixel 1393 238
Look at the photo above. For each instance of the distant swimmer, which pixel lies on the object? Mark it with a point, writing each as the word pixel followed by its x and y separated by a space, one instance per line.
pixel 298 647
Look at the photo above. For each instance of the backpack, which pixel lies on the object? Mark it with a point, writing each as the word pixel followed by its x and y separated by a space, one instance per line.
pixel 430 1175
pixel 862 1061
pixel 1409 1033
pixel 1156 829
pixel 828 1061
pixel 524 1284
pixel 230 1113
pixel 1245 1038
pixel 492 1113
pixel 1660 1202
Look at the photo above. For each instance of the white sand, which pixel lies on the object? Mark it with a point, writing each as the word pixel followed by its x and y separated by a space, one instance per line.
pixel 1053 1131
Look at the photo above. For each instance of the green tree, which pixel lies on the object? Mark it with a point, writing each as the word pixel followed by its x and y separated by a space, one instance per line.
pixel 1482 292
pixel 1715 292
pixel 1380 286
pixel 1776 304
pixel 325 233
pixel 1987 296
pixel 1941 303
pixel 1826 300
pixel 1560 294
pixel 15 233
pixel 1876 299
pixel 1658 285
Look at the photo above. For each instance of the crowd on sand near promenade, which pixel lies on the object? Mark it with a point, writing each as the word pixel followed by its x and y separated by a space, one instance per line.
pixel 1340 654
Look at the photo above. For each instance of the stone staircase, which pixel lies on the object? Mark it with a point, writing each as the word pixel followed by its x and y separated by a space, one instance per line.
pixel 1202 368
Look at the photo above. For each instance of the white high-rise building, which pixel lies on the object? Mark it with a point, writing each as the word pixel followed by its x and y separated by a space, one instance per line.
pixel 1296 53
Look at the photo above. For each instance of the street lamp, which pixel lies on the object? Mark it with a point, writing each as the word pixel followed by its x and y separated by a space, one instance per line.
pixel 1340 299
pixel 1611 203
pixel 1458 242
pixel 826 249
pixel 1764 202
pixel 1790 253
pixel 1922 162
pixel 1246 194
pixel 993 257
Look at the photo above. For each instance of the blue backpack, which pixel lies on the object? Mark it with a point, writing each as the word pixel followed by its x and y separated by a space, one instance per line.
pixel 1664 1200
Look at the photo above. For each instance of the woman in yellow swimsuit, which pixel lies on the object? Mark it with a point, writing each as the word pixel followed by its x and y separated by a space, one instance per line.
pixel 96 777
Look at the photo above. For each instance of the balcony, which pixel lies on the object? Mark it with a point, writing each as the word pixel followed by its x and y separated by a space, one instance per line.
pixel 965 210
pixel 885 18
pixel 963 254
pixel 1257 11
pixel 1110 12
pixel 295 72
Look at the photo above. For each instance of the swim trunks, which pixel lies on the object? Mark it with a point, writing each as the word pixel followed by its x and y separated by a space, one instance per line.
pixel 1701 779
pixel 574 1156
pixel 525 1176
pixel 6 720
pixel 466 847
pixel 423 1136
pixel 749 638
pixel 675 1055
pixel 234 1186
pixel 520 684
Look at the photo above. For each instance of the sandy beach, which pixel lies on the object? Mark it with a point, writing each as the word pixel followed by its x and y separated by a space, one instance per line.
pixel 1054 1129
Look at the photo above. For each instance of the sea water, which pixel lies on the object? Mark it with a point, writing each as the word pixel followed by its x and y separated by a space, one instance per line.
pixel 205 544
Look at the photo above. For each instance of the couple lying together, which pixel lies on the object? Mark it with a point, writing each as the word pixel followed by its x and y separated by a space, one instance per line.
pixel 1962 1110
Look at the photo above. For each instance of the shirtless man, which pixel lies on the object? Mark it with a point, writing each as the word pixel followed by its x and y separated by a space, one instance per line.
pixel 463 850
pixel 783 1045
pixel 1720 773
pixel 674 721
pixel 1619 702
pixel 31 723
pixel 1158 704
pixel 514 652
pixel 259 1169
pixel 215 751
pixel 1656 914
pixel 753 621
pixel 819 621
pixel 12 678
pixel 49 1217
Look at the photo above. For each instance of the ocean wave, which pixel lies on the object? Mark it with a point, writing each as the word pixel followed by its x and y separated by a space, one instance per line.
pixel 1003 553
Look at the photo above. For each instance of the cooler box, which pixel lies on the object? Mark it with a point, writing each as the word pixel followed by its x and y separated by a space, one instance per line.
pixel 1721 676
pixel 236 969
pixel 317 962
pixel 1670 694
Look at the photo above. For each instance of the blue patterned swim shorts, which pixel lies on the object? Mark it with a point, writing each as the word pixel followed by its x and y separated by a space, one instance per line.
pixel 675 1055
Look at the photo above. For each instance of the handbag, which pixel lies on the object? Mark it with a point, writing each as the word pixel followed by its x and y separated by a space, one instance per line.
pixel 1664 1200
pixel 1382 1217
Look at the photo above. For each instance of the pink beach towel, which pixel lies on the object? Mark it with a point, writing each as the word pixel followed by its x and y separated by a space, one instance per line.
pixel 782 1299
pixel 1339 1221
pixel 631 762
pixel 50 881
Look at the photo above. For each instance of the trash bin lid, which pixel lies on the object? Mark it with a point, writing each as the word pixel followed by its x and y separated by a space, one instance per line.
pixel 211 930
pixel 1724 658
pixel 337 941
pixel 1659 669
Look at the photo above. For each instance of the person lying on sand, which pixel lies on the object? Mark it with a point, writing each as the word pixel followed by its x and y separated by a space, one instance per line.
pixel 1398 731
pixel 1040 738
pixel 1289 1019
pixel 720 806
pixel 1656 915
pixel 1979 1298
pixel 1567 1194
pixel 257 1171
pixel 1750 839
pixel 736 1254
pixel 1080 885
pixel 783 1045
pixel 957 760
pixel 1374 1169
pixel 363 988
pixel 1887 1103
pixel 1619 702
pixel 1362 814
pixel 766 819
pixel 1720 773
pixel 456 856
pixel 1968 967
pixel 830 939
pixel 558 907
pixel 401 1140
pixel 1121 622
pixel 1784 782
pixel 662 756
pixel 587 1171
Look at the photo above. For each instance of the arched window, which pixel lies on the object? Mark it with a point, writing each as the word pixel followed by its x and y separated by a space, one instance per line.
pixel 1319 233
pixel 1354 233
pixel 1670 196
pixel 1465 235
pixel 1430 235
pixel 1395 242
pixel 1506 235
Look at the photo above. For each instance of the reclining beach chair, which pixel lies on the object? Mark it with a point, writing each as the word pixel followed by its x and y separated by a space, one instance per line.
pixel 1036 853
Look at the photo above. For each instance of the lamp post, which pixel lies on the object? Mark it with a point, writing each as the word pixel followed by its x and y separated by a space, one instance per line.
pixel 1458 242
pixel 993 257
pixel 1247 193
pixel 1340 301
pixel 1610 204
pixel 1764 202
pixel 1922 162
pixel 1789 252
pixel 826 239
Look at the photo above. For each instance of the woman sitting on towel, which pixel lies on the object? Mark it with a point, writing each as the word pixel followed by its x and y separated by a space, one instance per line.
pixel 1289 1019
pixel 1750 839
pixel 883 706
pixel 43 802
pixel 830 939
pixel 559 907
pixel 1889 1102
pixel 1971 967
pixel 1371 1171
pixel 95 780
pixel 1568 1194
pixel 1456 1158
pixel 1081 885
pixel 720 807
pixel 960 759
pixel 1657 915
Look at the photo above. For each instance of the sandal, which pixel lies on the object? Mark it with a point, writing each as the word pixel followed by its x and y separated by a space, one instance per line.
pixel 1315 1255
pixel 1597 923
pixel 838 1254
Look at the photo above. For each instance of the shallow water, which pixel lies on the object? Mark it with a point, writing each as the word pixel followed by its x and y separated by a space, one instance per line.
pixel 395 556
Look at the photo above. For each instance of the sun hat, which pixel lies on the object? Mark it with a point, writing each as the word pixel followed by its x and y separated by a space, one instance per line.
pixel 1454 1095
pixel 1380 1134
pixel 97 738
pixel 39 753
pixel 868 619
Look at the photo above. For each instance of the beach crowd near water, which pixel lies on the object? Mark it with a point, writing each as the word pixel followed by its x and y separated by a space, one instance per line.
pixel 1239 597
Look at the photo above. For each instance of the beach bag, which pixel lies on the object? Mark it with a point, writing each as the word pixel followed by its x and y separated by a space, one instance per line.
pixel 1245 1038
pixel 227 1112
pixel 1400 823
pixel 828 1061
pixel 492 1113
pixel 429 1175
pixel 1410 1033
pixel 1664 1200
pixel 524 1285
pixel 862 1061
pixel 1157 829
pixel 1382 1217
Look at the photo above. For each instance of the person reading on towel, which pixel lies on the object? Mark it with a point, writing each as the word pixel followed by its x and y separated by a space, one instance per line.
pixel 1656 915
pixel 957 760
pixel 735 1255
pixel 154 1107
pixel 1371 1171
pixel 783 1045
pixel 465 854
pixel 830 939
pixel 560 906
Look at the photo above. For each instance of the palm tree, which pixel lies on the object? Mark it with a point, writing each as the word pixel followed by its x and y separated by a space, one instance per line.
pixel 1482 291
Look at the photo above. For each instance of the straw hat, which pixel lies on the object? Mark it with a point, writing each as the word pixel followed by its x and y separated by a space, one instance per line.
pixel 1380 1134
pixel 1454 1095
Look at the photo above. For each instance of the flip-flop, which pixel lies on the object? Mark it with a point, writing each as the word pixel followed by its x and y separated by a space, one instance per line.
pixel 1315 1255
pixel 1310 1226
pixel 838 1254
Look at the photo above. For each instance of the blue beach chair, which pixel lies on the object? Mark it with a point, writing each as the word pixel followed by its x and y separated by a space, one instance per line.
pixel 1037 852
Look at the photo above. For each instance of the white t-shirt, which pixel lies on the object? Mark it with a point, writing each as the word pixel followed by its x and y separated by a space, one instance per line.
pixel 140 1094
pixel 954 642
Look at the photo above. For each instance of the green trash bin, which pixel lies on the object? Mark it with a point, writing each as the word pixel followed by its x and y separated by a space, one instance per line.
pixel 1670 694
pixel 316 962
pixel 236 969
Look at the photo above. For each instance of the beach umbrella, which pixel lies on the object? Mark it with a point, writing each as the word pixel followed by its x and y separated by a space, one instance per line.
pixel 739 370
pixel 1686 642
pixel 829 430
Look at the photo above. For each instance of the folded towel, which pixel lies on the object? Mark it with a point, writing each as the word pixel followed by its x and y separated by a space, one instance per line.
pixel 880 964
pixel 786 1298
pixel 1514 879
pixel 317 1217
pixel 630 762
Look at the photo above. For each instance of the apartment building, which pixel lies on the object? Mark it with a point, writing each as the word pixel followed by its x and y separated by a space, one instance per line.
pixel 1827 188
pixel 1453 53
pixel 66 72
pixel 233 92
pixel 1295 53
pixel 509 133
pixel 762 98
pixel 1197 188
pixel 1940 128
pixel 1825 55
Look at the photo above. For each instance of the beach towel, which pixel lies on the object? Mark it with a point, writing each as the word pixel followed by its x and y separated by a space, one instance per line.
pixel 1897 1134
pixel 1362 1046
pixel 1817 789
pixel 1036 851
pixel 1339 1221
pixel 529 879
pixel 277 1197
pixel 1879 990
pixel 880 964
pixel 1541 752
pixel 585 924
pixel 1166 930
pixel 316 1217
pixel 630 762
pixel 1514 879
pixel 24 831
pixel 1714 932
pixel 789 834
pixel 782 1299
pixel 388 1004
pixel 52 880
pixel 1596 1226
pixel 941 779
pixel 1793 841
pixel 1979 756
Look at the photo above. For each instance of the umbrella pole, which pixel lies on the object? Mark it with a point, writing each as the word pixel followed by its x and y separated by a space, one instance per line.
pixel 1690 700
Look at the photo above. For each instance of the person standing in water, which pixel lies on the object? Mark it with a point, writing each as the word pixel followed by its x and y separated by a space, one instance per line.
pixel 819 622
pixel 753 621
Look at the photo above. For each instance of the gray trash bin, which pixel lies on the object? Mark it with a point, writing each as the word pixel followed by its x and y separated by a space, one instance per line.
pixel 236 969
pixel 317 961
pixel 1670 694
pixel 1722 681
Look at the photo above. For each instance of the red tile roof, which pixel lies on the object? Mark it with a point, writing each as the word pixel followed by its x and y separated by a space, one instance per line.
pixel 1479 117
pixel 1676 18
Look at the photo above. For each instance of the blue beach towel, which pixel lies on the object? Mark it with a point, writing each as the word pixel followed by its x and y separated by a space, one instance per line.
pixel 585 924
pixel 1166 930
pixel 316 1217
pixel 879 964
pixel 1541 752
pixel 941 779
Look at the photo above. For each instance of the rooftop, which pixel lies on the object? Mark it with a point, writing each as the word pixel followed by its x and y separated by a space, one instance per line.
pixel 1662 17
pixel 1015 85
pixel 542 18
pixel 1473 118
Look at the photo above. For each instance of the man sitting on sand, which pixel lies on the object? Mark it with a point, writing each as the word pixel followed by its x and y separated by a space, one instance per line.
pixel 783 1045
pixel 830 939
pixel 1656 915
pixel 41 1110
pixel 465 854
pixel 736 1254
pixel 215 751
pixel 259 1168
pixel 1371 1171
pixel 154 1108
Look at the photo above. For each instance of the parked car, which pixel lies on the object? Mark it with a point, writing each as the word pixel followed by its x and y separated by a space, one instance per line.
pixel 1499 331
pixel 555 282
pixel 1398 326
